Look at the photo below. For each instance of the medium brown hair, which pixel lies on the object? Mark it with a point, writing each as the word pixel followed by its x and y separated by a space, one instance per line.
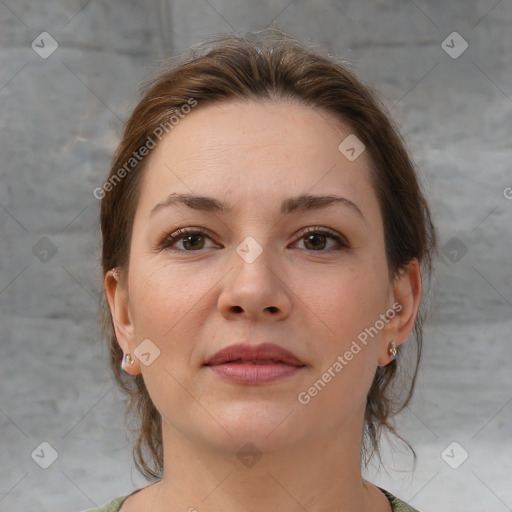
pixel 270 66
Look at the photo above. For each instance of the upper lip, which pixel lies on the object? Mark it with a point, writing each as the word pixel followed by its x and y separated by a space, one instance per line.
pixel 245 352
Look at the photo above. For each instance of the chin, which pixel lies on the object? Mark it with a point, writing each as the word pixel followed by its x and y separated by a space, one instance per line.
pixel 269 426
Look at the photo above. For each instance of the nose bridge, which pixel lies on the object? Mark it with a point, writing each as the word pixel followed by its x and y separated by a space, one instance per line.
pixel 254 286
pixel 249 250
pixel 253 263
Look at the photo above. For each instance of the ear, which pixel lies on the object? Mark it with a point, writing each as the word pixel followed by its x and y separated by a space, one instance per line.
pixel 407 289
pixel 117 297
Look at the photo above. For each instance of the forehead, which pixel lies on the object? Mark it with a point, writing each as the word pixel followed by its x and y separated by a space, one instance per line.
pixel 254 151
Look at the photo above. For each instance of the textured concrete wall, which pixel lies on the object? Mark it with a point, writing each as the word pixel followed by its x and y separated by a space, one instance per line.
pixel 60 118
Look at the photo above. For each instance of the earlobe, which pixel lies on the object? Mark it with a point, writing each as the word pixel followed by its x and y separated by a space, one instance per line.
pixel 407 290
pixel 117 299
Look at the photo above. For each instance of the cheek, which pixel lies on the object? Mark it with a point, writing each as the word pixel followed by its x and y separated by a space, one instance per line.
pixel 166 304
pixel 348 303
pixel 347 299
pixel 162 297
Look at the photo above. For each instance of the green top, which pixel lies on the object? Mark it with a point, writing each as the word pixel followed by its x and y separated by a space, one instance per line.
pixel 396 504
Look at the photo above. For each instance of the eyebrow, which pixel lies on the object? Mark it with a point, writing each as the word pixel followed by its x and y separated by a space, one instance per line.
pixel 293 204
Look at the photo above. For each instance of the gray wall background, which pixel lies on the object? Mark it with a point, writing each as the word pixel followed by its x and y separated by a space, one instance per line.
pixel 60 119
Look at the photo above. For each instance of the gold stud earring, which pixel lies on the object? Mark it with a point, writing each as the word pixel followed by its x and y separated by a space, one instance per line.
pixel 128 359
pixel 393 349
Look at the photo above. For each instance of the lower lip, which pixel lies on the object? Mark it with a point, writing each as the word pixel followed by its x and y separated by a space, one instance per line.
pixel 254 373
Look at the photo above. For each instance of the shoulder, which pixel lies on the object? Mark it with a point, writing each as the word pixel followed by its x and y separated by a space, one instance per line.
pixel 396 504
pixel 111 506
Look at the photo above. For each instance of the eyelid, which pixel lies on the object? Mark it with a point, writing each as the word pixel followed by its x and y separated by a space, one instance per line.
pixel 180 233
pixel 338 237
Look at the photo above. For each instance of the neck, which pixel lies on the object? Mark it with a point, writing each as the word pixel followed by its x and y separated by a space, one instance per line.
pixel 319 474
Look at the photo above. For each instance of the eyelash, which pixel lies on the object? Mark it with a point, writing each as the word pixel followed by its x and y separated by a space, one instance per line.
pixel 179 234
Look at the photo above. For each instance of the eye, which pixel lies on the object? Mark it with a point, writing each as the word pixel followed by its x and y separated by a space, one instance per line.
pixel 192 239
pixel 315 239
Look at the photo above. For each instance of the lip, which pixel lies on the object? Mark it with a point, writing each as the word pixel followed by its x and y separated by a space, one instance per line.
pixel 245 363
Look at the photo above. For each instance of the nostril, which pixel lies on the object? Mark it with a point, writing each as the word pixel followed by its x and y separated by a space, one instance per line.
pixel 272 309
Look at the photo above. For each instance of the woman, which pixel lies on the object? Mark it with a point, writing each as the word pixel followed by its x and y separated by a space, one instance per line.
pixel 264 239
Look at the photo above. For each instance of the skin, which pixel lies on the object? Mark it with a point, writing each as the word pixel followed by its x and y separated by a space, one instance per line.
pixel 191 303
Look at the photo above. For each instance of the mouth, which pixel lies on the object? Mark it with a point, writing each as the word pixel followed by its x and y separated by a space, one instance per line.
pixel 254 361
pixel 245 353
pixel 254 364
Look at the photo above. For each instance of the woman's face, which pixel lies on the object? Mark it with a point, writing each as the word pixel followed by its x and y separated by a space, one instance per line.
pixel 254 275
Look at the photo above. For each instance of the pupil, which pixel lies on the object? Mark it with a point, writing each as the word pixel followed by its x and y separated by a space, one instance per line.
pixel 190 239
pixel 317 237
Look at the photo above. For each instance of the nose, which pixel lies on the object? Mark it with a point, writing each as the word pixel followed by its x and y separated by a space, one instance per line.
pixel 255 290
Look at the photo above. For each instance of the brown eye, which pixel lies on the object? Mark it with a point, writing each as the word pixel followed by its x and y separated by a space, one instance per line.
pixel 191 240
pixel 315 242
pixel 316 239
